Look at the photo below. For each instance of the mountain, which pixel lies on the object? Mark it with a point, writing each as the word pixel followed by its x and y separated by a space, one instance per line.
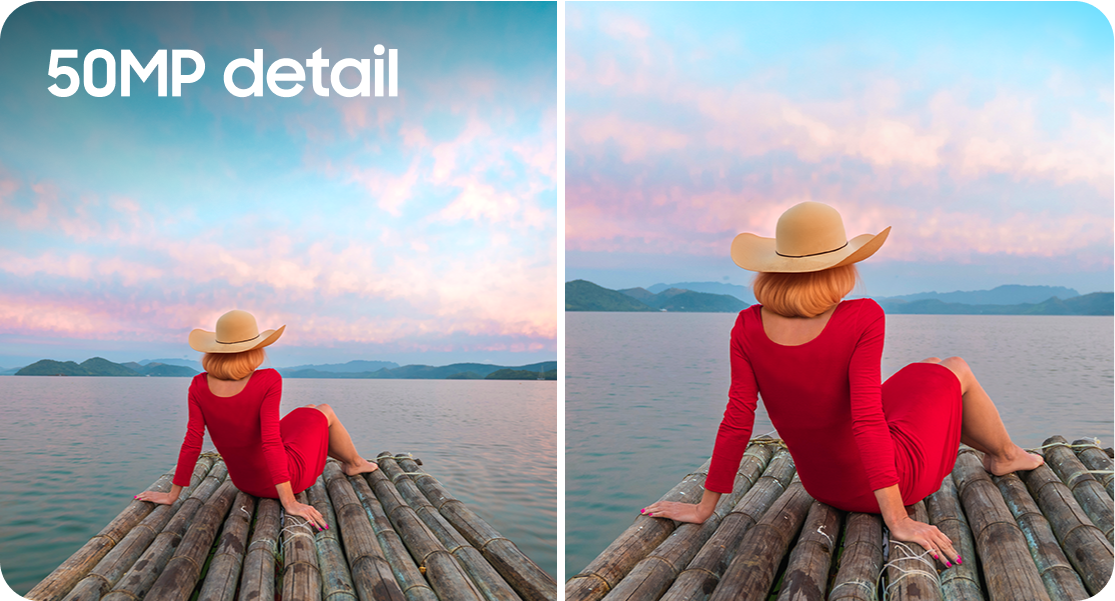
pixel 521 374
pixel 456 371
pixel 640 294
pixel 702 302
pixel 581 295
pixel 47 367
pixel 357 366
pixel 163 370
pixel 741 292
pixel 10 371
pixel 194 365
pixel 1096 303
pixel 103 367
pixel 687 301
pixel 1010 294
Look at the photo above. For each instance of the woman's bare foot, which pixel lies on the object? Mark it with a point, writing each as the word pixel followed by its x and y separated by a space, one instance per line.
pixel 1017 460
pixel 363 467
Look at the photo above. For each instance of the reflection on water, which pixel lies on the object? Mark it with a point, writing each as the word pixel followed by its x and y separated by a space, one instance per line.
pixel 645 393
pixel 74 449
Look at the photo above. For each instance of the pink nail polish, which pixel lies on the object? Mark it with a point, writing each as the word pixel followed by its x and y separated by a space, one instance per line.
pixel 959 560
pixel 642 511
pixel 650 515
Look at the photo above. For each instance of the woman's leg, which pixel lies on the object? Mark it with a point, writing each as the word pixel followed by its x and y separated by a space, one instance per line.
pixel 341 447
pixel 982 428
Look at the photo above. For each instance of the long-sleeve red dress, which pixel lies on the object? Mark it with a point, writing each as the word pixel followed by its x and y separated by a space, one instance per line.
pixel 848 435
pixel 259 450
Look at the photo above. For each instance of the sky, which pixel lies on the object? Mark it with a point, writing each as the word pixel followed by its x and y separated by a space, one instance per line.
pixel 980 132
pixel 417 229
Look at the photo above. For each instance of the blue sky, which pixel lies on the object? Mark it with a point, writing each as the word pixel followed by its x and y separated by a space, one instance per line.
pixel 419 229
pixel 981 132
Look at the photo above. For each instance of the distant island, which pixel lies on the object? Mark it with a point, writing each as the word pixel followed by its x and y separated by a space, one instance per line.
pixel 546 370
pixel 582 295
pixel 103 367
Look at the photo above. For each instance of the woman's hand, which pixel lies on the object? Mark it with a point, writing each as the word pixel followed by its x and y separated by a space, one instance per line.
pixel 679 512
pixel 159 498
pixel 926 535
pixel 306 512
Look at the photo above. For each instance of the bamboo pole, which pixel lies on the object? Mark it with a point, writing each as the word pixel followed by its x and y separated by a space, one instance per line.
pixel 654 574
pixel 336 581
pixel 371 574
pixel 531 582
pixel 301 576
pixel 223 571
pixel 752 572
pixel 1061 580
pixel 445 575
pixel 224 568
pixel 178 578
pixel 406 572
pixel 1008 569
pixel 123 555
pixel 961 581
pixel 64 577
pixel 861 559
pixel 1091 495
pixel 1085 545
pixel 141 576
pixel 1095 458
pixel 703 573
pixel 806 576
pixel 646 533
pixel 488 581
pixel 257 581
pixel 911 573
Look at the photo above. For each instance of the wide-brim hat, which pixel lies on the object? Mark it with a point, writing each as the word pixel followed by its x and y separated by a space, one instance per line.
pixel 236 332
pixel 809 237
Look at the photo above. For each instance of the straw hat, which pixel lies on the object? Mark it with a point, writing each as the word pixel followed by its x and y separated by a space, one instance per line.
pixel 236 332
pixel 809 237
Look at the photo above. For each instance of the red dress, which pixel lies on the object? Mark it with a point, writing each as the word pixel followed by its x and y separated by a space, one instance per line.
pixel 848 435
pixel 258 448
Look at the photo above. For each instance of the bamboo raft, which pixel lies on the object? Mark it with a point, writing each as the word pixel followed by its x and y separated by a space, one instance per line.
pixel 395 534
pixel 1042 535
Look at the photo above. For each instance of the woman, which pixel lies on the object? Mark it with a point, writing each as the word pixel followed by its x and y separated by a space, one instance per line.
pixel 265 456
pixel 857 446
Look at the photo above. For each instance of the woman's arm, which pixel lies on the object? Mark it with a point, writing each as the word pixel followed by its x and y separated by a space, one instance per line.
pixel 876 447
pixel 695 513
pixel 292 507
pixel 869 425
pixel 731 440
pixel 903 527
pixel 161 498
pixel 187 455
pixel 273 450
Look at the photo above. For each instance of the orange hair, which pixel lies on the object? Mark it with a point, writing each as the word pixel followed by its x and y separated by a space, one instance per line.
pixel 233 366
pixel 804 294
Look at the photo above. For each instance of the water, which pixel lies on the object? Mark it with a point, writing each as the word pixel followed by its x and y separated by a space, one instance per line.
pixel 75 450
pixel 645 393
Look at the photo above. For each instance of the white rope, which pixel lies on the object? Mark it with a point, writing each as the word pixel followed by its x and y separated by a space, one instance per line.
pixel 1095 444
pixel 821 531
pixel 872 589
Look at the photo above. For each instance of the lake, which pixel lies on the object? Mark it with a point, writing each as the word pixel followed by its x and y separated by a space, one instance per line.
pixel 75 450
pixel 645 393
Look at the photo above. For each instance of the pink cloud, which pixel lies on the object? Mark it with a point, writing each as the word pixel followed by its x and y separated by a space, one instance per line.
pixel 1000 136
pixel 390 190
pixel 624 26
pixel 483 291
